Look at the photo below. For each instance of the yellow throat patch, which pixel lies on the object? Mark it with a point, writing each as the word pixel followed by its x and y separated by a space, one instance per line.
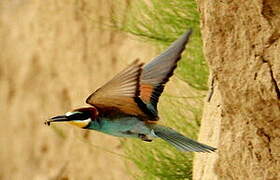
pixel 80 124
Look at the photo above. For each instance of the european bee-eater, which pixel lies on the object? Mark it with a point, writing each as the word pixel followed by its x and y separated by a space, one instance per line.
pixel 126 106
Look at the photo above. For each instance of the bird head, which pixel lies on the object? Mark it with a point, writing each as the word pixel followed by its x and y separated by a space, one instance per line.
pixel 79 117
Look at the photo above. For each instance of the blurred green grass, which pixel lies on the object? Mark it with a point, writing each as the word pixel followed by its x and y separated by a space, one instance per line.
pixel 160 23
pixel 159 160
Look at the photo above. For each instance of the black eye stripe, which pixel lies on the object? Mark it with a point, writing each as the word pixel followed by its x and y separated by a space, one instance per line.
pixel 79 116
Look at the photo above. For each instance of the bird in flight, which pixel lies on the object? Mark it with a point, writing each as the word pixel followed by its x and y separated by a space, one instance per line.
pixel 126 106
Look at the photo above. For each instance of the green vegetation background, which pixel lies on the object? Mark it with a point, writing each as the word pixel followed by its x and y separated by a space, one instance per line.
pixel 160 23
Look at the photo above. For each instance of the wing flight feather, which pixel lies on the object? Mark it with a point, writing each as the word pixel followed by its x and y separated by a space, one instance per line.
pixel 157 72
pixel 120 92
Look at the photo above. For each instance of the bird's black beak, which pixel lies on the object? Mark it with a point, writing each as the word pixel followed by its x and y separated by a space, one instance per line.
pixel 62 118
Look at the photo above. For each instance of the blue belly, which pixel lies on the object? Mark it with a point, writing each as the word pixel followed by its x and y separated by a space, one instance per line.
pixel 121 126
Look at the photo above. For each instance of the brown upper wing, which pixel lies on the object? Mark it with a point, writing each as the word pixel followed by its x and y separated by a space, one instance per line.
pixel 120 92
pixel 156 73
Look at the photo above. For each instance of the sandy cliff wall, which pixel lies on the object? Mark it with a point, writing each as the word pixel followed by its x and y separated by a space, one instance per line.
pixel 242 47
pixel 52 55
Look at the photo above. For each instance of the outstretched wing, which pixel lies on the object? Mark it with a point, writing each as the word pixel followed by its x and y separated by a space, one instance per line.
pixel 156 73
pixel 120 92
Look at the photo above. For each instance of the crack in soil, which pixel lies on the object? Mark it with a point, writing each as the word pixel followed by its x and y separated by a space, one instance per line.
pixel 262 133
pixel 211 89
pixel 273 79
pixel 274 82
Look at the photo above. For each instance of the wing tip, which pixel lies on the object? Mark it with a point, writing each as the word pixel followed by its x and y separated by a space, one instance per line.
pixel 185 37
pixel 189 32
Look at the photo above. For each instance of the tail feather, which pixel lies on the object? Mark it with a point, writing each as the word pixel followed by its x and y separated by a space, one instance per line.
pixel 180 141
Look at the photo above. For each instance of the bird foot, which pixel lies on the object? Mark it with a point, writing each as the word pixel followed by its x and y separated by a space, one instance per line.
pixel 144 137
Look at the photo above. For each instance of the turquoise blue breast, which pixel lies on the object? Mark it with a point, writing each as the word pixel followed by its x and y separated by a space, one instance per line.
pixel 120 126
